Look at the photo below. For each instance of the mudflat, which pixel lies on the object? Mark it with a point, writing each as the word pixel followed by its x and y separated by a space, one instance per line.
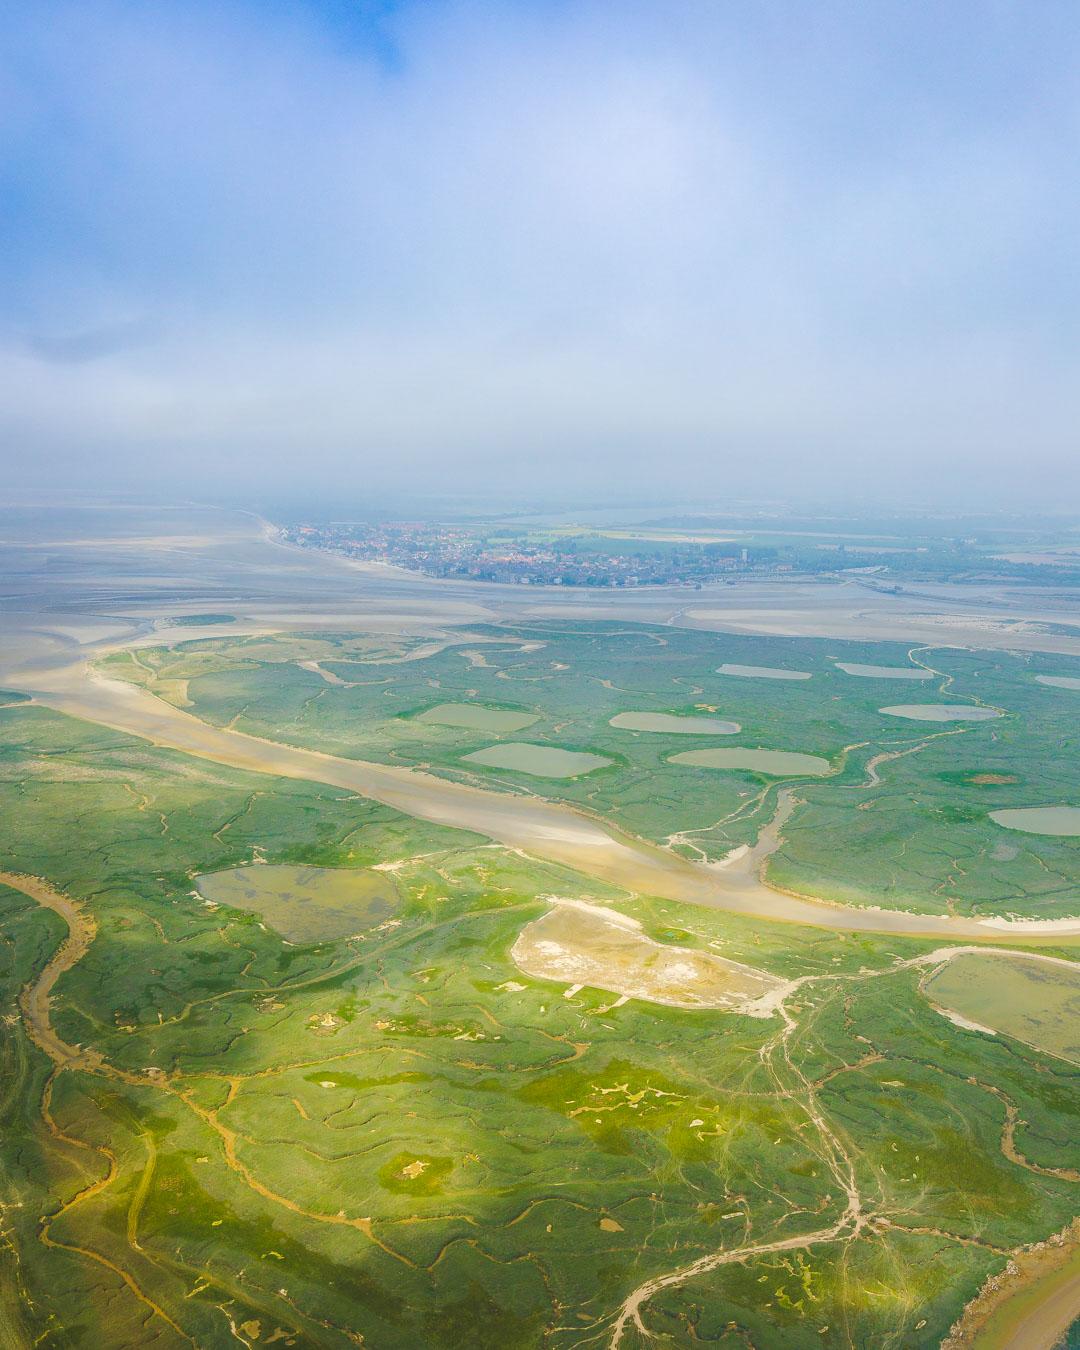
pixel 779 763
pixel 884 672
pixel 543 761
pixel 941 712
pixel 477 717
pixel 762 672
pixel 1061 820
pixel 672 724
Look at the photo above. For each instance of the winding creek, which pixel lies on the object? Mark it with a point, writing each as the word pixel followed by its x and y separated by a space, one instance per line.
pixel 559 834
pixel 1030 1313
pixel 550 830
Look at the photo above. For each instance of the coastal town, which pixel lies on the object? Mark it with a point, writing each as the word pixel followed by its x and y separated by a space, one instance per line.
pixel 680 552
pixel 529 558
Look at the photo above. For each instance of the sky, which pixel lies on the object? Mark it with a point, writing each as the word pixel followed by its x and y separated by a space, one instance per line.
pixel 337 247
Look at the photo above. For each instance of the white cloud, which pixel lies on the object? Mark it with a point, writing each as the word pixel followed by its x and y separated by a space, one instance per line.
pixel 596 233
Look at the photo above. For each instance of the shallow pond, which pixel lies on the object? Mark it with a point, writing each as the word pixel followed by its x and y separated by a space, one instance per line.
pixel 884 672
pixel 1040 819
pixel 583 945
pixel 306 904
pixel 762 672
pixel 477 717
pixel 672 724
pixel 1034 1001
pixel 542 761
pixel 941 712
pixel 779 763
pixel 1059 681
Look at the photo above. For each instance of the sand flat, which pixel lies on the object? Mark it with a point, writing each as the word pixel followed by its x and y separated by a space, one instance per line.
pixel 581 944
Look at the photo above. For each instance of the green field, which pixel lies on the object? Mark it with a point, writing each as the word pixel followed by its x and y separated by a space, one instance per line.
pixel 329 1108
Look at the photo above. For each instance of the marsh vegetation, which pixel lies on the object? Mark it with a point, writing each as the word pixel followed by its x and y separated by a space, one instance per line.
pixel 385 1086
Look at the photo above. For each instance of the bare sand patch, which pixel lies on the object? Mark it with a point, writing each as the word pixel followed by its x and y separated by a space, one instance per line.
pixel 581 945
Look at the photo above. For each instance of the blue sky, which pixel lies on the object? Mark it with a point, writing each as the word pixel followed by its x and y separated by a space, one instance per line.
pixel 740 244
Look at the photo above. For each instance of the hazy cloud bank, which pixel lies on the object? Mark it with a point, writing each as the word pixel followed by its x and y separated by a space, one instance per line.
pixel 681 239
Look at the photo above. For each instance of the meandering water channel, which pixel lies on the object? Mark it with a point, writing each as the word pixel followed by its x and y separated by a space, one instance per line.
pixel 549 830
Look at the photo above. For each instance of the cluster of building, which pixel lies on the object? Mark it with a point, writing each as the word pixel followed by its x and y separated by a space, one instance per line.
pixel 461 553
